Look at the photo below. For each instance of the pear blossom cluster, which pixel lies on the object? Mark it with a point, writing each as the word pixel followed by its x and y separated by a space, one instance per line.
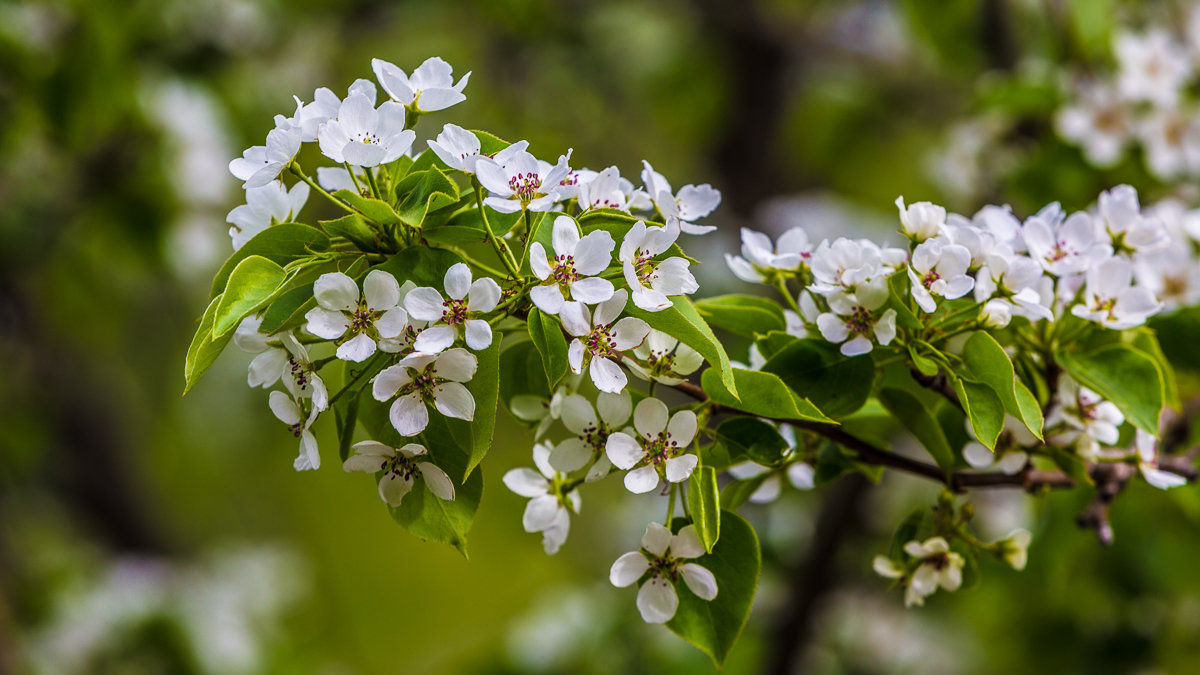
pixel 1116 265
pixel 588 278
pixel 1147 102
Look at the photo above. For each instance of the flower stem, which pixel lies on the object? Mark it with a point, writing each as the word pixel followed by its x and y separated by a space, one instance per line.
pixel 671 505
pixel 353 178
pixel 373 184
pixel 295 169
pixel 497 243
pixel 781 284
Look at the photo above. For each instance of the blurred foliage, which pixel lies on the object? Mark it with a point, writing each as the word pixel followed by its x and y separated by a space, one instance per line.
pixel 118 120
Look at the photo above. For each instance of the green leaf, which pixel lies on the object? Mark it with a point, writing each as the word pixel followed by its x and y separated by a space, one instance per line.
pixel 423 192
pixel 253 282
pixel 763 394
pixel 704 507
pixel 354 228
pixel 898 283
pixel 816 370
pixel 541 230
pixel 288 309
pixel 346 417
pixel 753 439
pixel 522 373
pixel 713 626
pixel 923 364
pixel 432 519
pixel 464 227
pixel 908 530
pixel 422 265
pixel 738 492
pixel 489 144
pixel 1123 375
pixel 773 343
pixel 988 363
pixel 371 208
pixel 917 419
pixel 281 244
pixel 983 408
pixel 747 315
pixel 475 436
pixel 548 338
pixel 683 322
pixel 204 349
pixel 1146 342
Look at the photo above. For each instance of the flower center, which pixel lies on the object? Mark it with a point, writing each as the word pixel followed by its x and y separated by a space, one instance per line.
pixel 1059 252
pixel 299 373
pixel 601 342
pixel 661 448
pixel 400 466
pixel 525 186
pixel 859 321
pixel 661 363
pixel 643 266
pixel 564 270
pixel 664 566
pixel 368 138
pixel 422 383
pixel 363 318
pixel 454 311
pixel 930 277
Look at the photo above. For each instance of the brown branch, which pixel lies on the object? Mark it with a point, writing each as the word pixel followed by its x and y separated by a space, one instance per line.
pixel 941 384
pixel 1029 479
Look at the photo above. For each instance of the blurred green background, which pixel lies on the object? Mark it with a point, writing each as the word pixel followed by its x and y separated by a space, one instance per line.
pixel 142 532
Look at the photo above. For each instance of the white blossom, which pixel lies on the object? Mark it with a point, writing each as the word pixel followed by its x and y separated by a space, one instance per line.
pixel 288 361
pixel 591 431
pixel 600 338
pixel 400 467
pixel 1147 448
pixel 549 508
pixel 856 319
pixel 522 182
pixel 430 88
pixel 357 320
pixel 1080 417
pixel 691 203
pixel 922 220
pixel 290 411
pixel 310 117
pixel 467 301
pixel 1118 212
pixel 760 258
pixel 664 359
pixel 262 164
pixel 419 380
pixel 939 268
pixel 651 281
pixel 1014 549
pixel 460 149
pixel 573 270
pixel 659 448
pixel 365 136
pixel 1064 247
pixel 608 190
pixel 663 555
pixel 939 567
pixel 1153 67
pixel 1098 121
pixel 1110 300
pixel 265 206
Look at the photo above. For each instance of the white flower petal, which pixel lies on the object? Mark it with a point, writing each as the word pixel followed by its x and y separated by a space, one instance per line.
pixel 325 323
pixel 628 569
pixel 680 468
pixel 393 487
pixel 409 415
pixel 699 580
pixel 478 334
pixel 381 290
pixel 336 291
pixel 642 480
pixel 650 417
pixel 454 400
pixel 356 349
pixel 540 513
pixel 484 296
pixel 458 281
pixel 435 339
pixel 656 600
pixel 437 481
pixel 424 304
pixel 623 450
pixel 526 482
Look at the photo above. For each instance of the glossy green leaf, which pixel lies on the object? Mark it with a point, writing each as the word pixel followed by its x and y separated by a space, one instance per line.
pixel 355 229
pixel 763 394
pixel 753 439
pixel 738 492
pixel 917 419
pixel 252 283
pixel 836 384
pixel 423 192
pixel 281 244
pixel 372 209
pixel 522 373
pixel 987 362
pixel 422 265
pixel 983 407
pixel 433 519
pixel 703 503
pixel 475 437
pixel 548 338
pixel 1146 342
pixel 1123 375
pixel 747 315
pixel 205 349
pixel 683 322
pixel 714 626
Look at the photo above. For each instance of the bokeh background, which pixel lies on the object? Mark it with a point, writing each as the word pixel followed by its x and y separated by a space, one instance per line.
pixel 142 532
